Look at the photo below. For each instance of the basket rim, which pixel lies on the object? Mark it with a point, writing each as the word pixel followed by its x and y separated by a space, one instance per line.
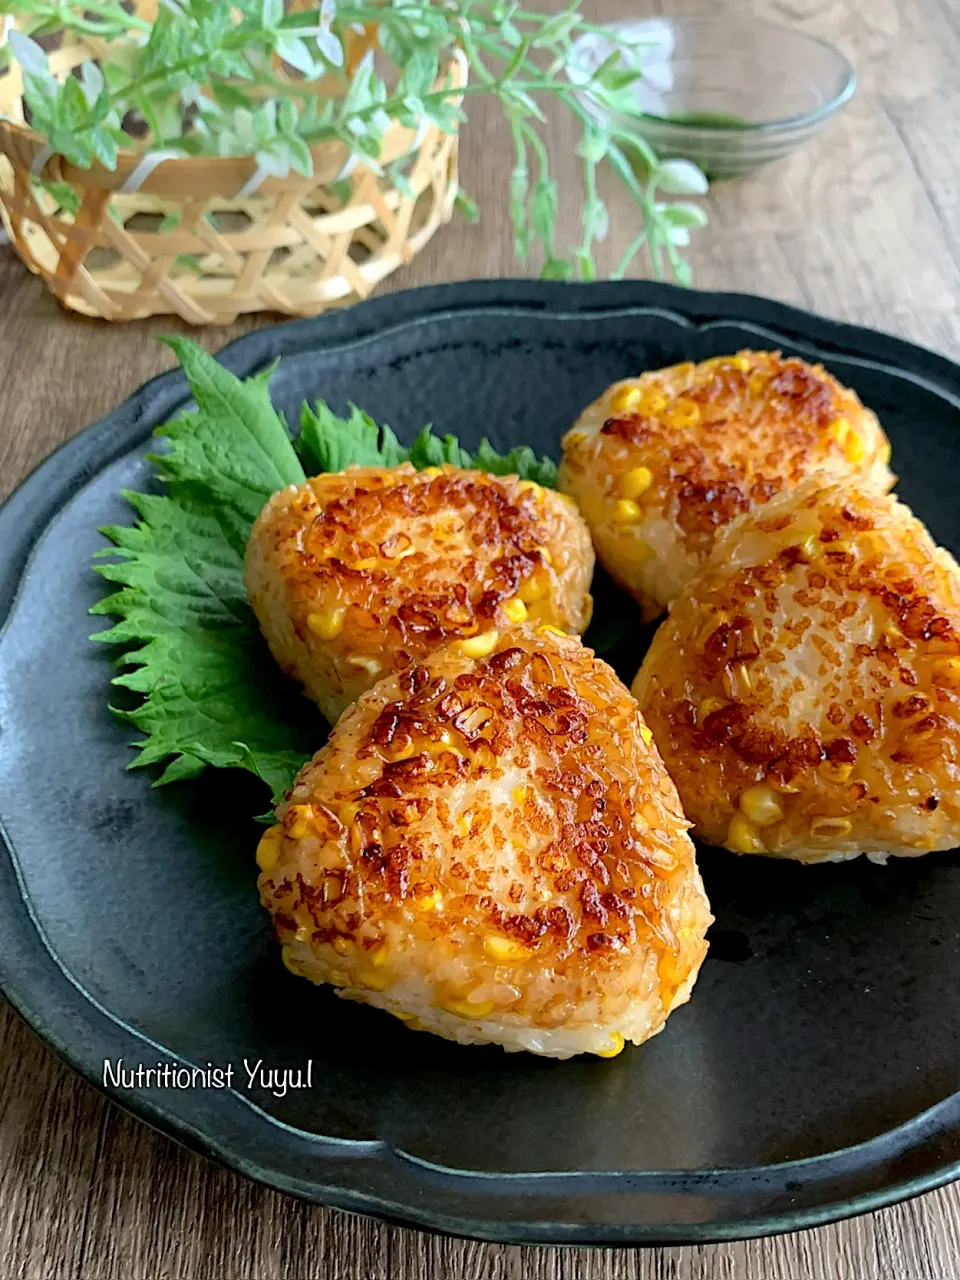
pixel 22 145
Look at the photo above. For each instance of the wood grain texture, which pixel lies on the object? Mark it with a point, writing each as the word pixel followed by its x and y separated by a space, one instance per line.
pixel 864 224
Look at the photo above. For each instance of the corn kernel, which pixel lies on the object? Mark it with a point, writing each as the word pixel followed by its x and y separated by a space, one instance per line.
pixel 341 945
pixel 504 950
pixel 302 821
pixel 636 482
pixel 464 1008
pixel 378 956
pixel 652 401
pixel 289 961
pixel 533 589
pixel 616 1046
pixel 757 384
pixel 547 630
pixel 573 438
pixel 684 413
pixel 432 472
pixel 268 850
pixel 626 510
pixel 743 836
pixel 809 547
pixel 515 609
pixel 624 399
pixel 885 452
pixel 849 440
pixel 946 672
pixel 839 770
pixel 545 555
pixel 646 733
pixel 740 363
pixel 830 828
pixel 464 822
pixel 327 624
pixel 479 646
pixel 347 812
pixel 855 448
pixel 519 794
pixel 761 805
pixel 430 902
pixel 709 705
pixel 527 486
pixel 375 981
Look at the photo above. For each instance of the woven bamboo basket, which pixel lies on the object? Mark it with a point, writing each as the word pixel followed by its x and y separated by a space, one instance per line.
pixel 295 245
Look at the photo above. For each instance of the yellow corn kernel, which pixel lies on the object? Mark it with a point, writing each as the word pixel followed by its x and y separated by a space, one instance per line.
pixel 519 794
pixel 527 486
pixel 626 510
pixel 839 428
pixel 463 823
pixel 636 482
pixel 743 836
pixel 838 771
pixel 709 705
pixel 850 441
pixel 432 472
pixel 737 680
pixel 430 902
pixel 740 363
pixel 624 399
pixel 684 413
pixel 830 828
pixel 761 805
pixel 374 980
pixel 547 630
pixel 378 956
pixel 545 555
pixel 533 589
pixel 504 950
pixel 327 624
pixel 946 672
pixel 464 1009
pixel 302 821
pixel 515 609
pixel 885 452
pixel 268 850
pixel 403 1015
pixel 289 961
pixel 855 448
pixel 573 438
pixel 481 645
pixel 616 1046
pixel 347 812
pixel 757 384
pixel 652 401
pixel 646 733
pixel 341 945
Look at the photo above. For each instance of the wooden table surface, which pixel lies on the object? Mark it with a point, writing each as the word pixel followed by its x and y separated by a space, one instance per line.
pixel 864 224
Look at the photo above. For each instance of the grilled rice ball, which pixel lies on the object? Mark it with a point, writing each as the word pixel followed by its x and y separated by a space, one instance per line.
pixel 490 848
pixel 805 689
pixel 660 464
pixel 361 573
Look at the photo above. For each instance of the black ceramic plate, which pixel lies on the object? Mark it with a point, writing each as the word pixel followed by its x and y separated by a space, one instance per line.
pixel 814 1073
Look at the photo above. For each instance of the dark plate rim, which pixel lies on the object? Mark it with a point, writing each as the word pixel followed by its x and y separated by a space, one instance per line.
pixel 371 1177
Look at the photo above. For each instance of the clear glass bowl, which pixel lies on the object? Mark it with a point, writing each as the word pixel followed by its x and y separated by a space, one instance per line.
pixel 728 94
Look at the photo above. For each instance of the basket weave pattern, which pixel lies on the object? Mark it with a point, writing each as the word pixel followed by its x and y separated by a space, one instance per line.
pixel 185 240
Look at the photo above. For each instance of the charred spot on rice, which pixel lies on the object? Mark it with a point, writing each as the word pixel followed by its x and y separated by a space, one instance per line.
pixel 805 689
pixel 361 573
pixel 491 849
pixel 661 464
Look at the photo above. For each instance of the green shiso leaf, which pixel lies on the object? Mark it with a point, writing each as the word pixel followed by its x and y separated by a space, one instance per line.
pixel 205 688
